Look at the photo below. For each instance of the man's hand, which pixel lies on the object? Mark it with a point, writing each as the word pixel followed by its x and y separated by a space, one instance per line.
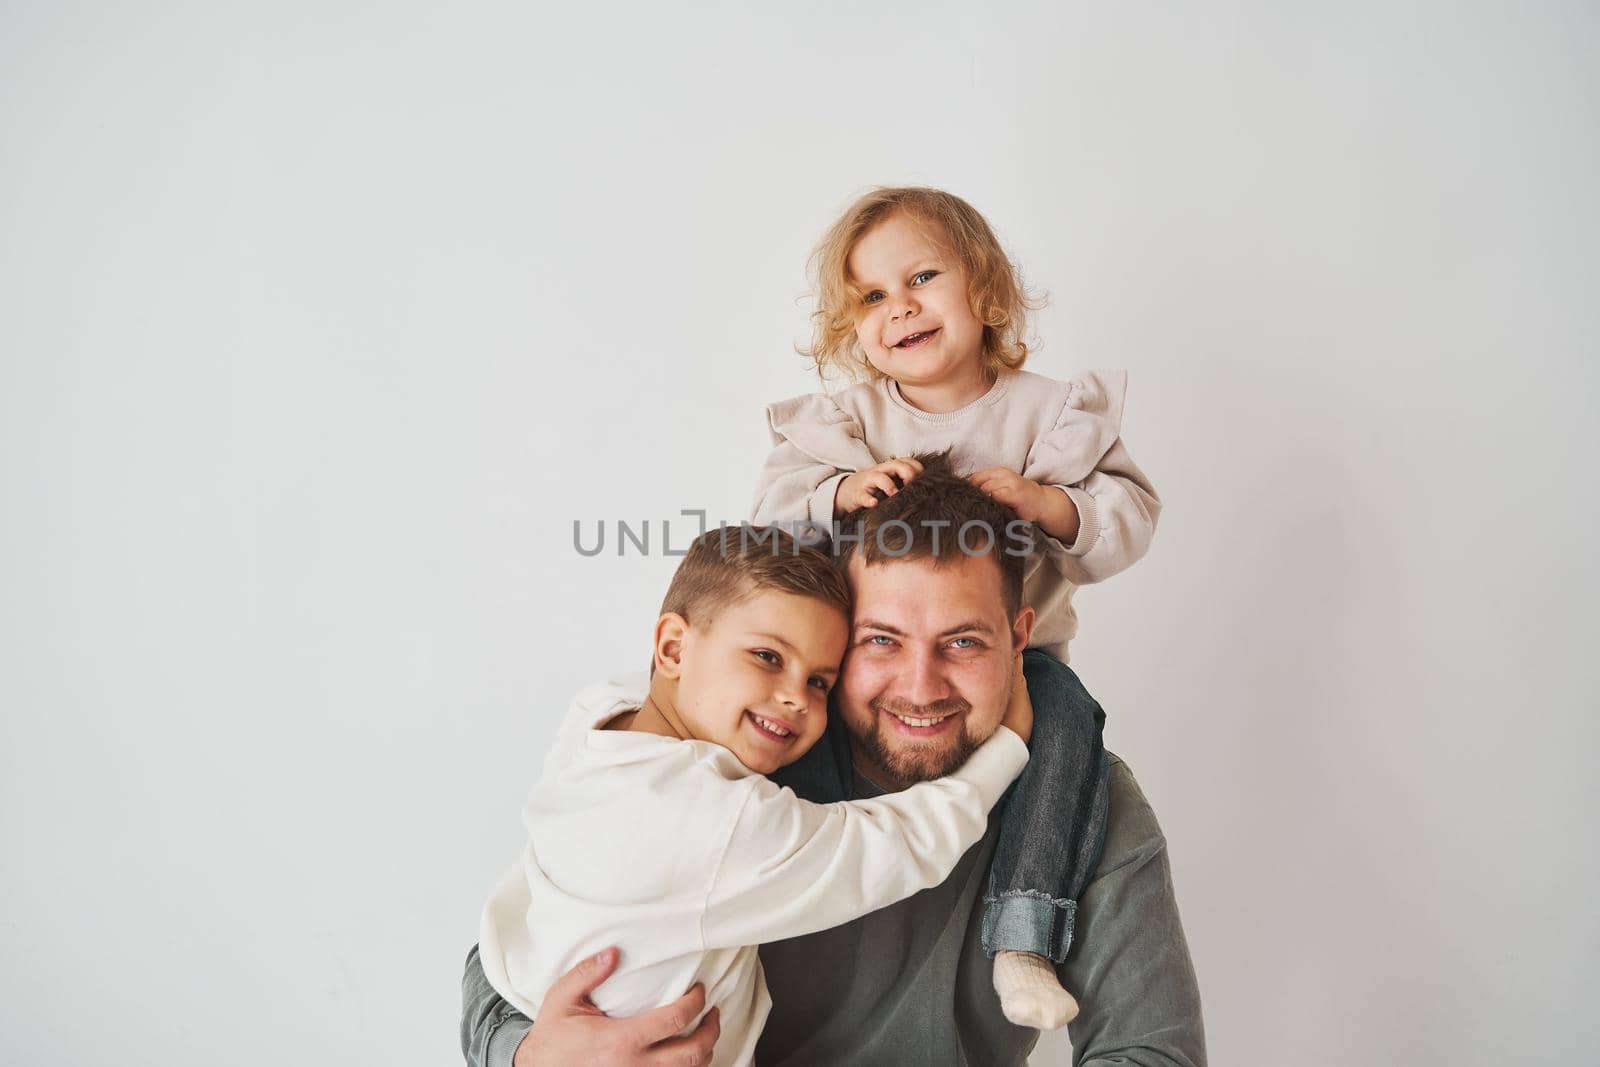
pixel 1046 506
pixel 863 488
pixel 1019 711
pixel 571 1030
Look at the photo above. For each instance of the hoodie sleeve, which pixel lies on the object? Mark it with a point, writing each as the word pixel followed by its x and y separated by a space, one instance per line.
pixel 1083 455
pixel 791 867
pixel 815 444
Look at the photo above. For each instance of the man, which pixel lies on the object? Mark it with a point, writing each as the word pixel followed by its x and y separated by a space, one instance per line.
pixel 934 635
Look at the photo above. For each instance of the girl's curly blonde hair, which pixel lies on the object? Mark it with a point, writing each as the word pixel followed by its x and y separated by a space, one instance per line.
pixel 994 284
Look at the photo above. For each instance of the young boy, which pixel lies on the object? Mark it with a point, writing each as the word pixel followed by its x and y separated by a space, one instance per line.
pixel 654 829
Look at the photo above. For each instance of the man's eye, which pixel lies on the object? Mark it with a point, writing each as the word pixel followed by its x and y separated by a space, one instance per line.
pixel 928 274
pixel 876 638
pixel 766 655
pixel 970 642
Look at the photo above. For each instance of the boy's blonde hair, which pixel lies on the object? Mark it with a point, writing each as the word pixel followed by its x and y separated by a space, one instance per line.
pixel 725 566
pixel 994 284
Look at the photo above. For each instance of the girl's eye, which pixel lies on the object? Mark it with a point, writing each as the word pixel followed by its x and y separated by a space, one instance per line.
pixel 766 655
pixel 928 274
pixel 820 683
pixel 872 297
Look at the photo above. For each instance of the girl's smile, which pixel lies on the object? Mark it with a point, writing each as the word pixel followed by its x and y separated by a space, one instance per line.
pixel 916 323
pixel 916 340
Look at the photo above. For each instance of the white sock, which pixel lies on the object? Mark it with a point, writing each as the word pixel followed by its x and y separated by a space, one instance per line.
pixel 1030 992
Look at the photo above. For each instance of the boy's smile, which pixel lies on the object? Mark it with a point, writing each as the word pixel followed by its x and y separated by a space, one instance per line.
pixel 915 322
pixel 755 679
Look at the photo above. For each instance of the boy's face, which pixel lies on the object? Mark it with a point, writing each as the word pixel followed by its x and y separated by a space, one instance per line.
pixel 915 322
pixel 755 680
pixel 931 656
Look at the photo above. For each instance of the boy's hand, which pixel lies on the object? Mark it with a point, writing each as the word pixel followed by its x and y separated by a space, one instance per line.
pixel 571 1030
pixel 864 489
pixel 1019 711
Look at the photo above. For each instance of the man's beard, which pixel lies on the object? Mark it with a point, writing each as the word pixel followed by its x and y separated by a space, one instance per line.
pixel 912 763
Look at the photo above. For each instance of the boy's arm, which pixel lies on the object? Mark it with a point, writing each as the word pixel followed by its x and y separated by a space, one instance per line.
pixel 1130 962
pixel 792 867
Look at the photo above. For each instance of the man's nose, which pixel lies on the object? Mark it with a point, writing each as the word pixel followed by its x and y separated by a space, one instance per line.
pixel 922 681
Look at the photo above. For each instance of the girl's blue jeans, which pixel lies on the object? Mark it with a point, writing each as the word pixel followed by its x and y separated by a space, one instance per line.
pixel 1053 823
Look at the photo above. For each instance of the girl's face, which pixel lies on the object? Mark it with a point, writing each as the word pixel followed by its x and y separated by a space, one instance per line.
pixel 915 322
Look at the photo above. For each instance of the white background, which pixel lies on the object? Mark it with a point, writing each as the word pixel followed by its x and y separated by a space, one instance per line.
pixel 322 323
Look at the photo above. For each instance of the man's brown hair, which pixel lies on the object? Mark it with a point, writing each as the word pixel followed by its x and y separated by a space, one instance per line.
pixel 726 565
pixel 939 515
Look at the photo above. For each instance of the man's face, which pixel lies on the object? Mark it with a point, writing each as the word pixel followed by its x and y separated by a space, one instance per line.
pixel 928 672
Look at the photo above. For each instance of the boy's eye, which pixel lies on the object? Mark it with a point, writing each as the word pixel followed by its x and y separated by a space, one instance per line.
pixel 928 274
pixel 766 655
pixel 820 683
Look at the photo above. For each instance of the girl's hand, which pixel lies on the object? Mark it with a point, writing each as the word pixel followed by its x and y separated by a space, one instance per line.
pixel 1019 712
pixel 864 489
pixel 1023 495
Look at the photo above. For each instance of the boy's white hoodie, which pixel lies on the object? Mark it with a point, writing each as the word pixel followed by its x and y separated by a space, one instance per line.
pixel 686 860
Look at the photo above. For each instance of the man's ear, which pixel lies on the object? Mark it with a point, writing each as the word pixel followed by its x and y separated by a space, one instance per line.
pixel 667 654
pixel 1022 628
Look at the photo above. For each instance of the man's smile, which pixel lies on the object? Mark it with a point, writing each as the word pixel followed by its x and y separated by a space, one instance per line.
pixel 922 722
pixel 909 721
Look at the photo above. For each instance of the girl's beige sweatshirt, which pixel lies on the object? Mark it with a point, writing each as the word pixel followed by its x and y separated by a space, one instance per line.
pixel 1061 433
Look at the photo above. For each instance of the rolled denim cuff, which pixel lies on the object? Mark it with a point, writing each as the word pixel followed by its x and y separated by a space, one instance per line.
pixel 504 1041
pixel 1028 921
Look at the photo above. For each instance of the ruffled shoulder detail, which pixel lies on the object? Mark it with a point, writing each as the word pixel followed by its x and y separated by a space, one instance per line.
pixel 1088 425
pixel 816 425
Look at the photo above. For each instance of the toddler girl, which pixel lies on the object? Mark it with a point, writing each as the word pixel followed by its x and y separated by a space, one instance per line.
pixel 916 296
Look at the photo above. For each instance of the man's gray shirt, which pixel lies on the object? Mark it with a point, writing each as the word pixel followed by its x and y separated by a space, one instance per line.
pixel 909 984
